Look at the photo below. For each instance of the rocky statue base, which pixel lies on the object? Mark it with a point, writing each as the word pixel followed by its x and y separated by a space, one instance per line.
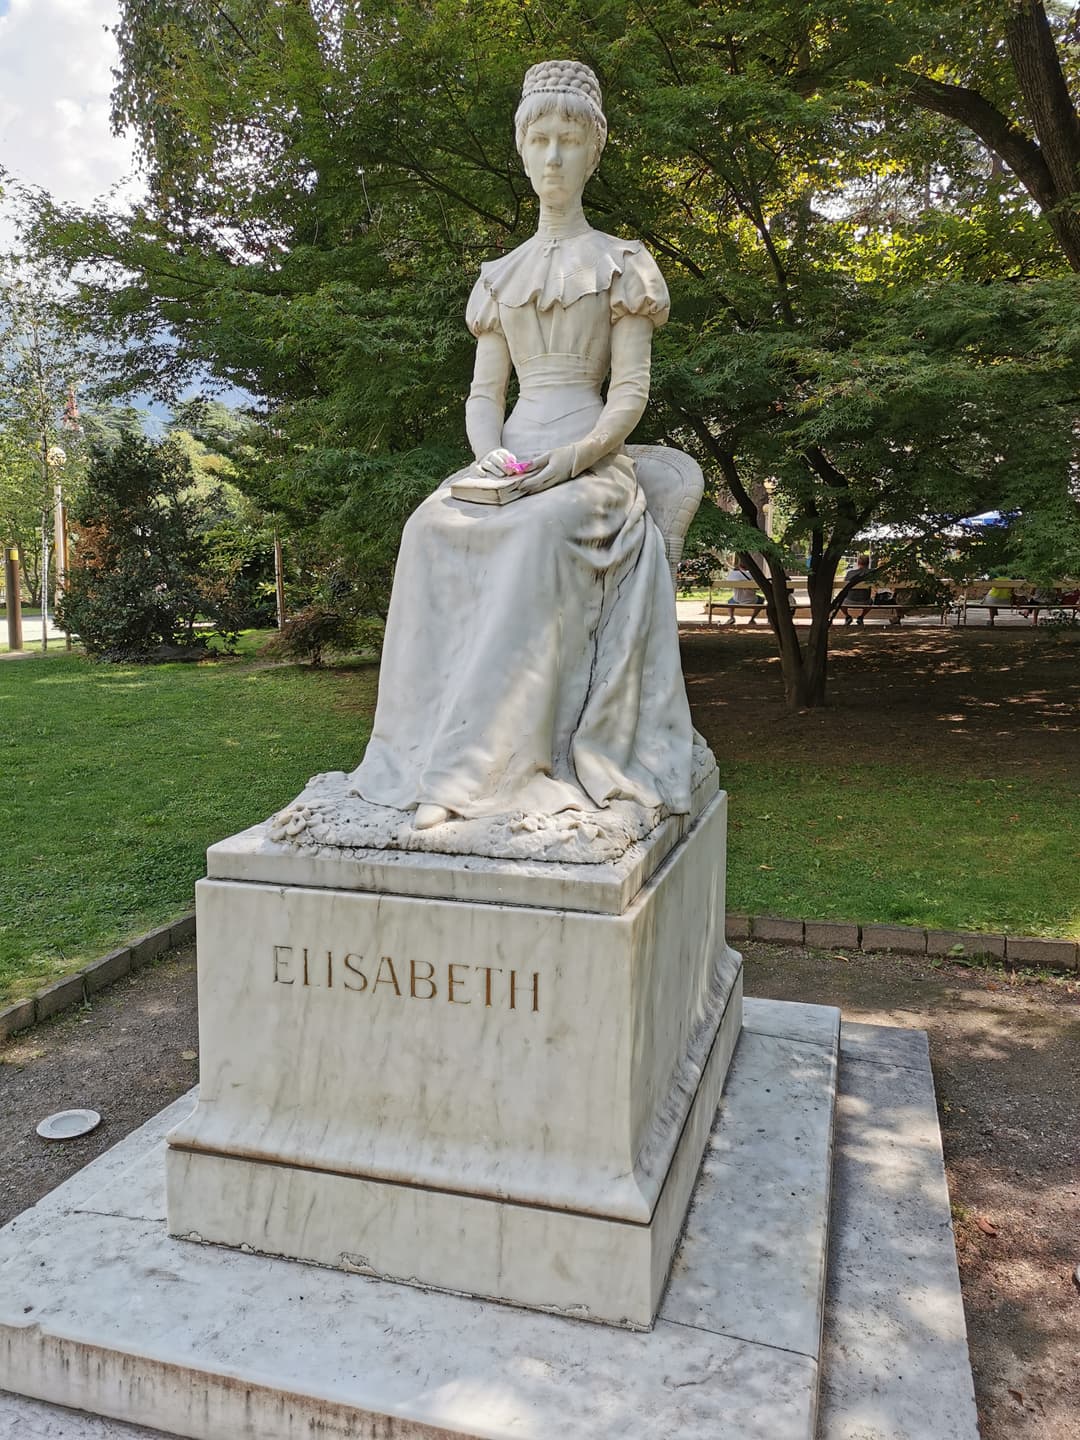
pixel 503 1090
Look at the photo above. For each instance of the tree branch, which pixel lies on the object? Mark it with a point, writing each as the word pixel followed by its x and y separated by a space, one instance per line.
pixel 222 14
pixel 726 461
pixel 1020 153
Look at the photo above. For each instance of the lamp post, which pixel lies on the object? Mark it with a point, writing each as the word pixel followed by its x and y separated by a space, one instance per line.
pixel 52 457
pixel 58 459
pixel 13 597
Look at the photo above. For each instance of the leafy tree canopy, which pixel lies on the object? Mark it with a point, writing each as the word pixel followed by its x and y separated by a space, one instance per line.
pixel 871 320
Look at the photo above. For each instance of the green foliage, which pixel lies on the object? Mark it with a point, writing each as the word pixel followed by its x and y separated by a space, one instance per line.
pixel 238 581
pixel 41 354
pixel 310 634
pixel 134 585
pixel 20 509
pixel 866 314
pixel 218 429
pixel 104 425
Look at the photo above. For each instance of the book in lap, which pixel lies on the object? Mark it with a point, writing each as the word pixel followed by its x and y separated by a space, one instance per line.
pixel 487 489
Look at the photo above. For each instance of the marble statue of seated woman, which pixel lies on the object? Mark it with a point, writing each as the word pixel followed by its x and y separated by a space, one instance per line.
pixel 531 661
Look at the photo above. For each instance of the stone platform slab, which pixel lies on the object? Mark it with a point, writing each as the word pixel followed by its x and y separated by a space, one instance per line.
pixel 238 1347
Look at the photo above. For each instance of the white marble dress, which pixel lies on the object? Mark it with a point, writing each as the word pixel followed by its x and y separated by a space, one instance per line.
pixel 531 660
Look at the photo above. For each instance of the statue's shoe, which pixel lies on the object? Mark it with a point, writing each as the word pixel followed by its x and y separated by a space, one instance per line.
pixel 429 815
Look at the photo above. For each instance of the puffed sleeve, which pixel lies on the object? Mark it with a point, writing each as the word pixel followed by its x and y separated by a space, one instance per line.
pixel 482 312
pixel 640 289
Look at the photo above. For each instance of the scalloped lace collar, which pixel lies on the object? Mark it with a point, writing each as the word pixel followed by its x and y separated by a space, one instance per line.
pixel 557 270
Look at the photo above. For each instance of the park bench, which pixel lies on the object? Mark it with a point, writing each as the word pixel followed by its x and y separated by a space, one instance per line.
pixel 1029 610
pixel 725 608
pixel 894 614
pixel 975 597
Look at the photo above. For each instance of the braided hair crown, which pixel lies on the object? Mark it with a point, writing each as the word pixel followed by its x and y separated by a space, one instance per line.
pixel 560 76
pixel 567 85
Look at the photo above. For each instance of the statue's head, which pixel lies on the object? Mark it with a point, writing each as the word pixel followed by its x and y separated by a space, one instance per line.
pixel 560 97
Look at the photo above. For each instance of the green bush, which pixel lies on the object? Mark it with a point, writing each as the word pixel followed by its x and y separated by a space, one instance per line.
pixel 134 590
pixel 320 630
pixel 155 553
pixel 310 634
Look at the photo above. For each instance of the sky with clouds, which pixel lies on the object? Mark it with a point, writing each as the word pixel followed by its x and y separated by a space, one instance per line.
pixel 55 62
pixel 56 59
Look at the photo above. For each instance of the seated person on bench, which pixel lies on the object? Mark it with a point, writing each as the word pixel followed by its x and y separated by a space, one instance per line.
pixel 859 595
pixel 744 592
pixel 998 597
pixel 1041 598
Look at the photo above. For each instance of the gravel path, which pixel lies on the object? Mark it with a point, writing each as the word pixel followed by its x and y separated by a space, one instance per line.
pixel 1006 1055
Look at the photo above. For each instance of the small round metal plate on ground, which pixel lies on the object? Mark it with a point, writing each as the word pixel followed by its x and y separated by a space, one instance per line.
pixel 68 1124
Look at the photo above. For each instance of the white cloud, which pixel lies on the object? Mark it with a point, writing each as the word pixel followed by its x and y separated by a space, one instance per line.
pixel 56 58
pixel 56 61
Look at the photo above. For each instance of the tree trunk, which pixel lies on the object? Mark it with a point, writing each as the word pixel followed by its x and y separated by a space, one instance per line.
pixel 804 671
pixel 792 664
pixel 279 581
pixel 1047 166
pixel 1046 95
pixel 44 581
pixel 792 661
pixel 1042 83
pixel 820 585
pixel 803 663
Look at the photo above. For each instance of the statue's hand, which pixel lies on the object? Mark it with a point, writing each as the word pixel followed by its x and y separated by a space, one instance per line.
pixel 496 462
pixel 549 469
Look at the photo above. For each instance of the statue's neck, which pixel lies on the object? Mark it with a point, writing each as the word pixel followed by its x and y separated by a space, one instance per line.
pixel 562 224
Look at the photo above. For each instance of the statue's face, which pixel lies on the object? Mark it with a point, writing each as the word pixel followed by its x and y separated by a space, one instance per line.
pixel 557 154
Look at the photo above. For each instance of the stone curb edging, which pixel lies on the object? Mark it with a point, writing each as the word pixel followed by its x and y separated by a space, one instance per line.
pixel 1063 955
pixel 76 989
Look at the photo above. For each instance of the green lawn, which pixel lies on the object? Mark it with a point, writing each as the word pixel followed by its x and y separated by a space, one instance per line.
pixel 114 779
pixel 877 842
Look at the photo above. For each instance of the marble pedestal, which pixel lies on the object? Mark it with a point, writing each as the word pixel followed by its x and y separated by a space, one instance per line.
pixel 499 1084
pixel 101 1311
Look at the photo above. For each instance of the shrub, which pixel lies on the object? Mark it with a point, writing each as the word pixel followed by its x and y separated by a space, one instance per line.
pixel 310 633
pixel 1061 623
pixel 133 590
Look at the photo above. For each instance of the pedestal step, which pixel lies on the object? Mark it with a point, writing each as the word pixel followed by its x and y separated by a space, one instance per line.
pixel 218 1345
pixel 100 1310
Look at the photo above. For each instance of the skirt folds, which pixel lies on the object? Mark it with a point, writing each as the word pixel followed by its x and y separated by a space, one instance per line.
pixel 531 660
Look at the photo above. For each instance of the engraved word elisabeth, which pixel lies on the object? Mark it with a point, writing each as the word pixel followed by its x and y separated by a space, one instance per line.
pixel 453 981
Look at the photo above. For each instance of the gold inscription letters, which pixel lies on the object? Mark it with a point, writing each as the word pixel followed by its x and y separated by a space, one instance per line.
pixel 454 982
